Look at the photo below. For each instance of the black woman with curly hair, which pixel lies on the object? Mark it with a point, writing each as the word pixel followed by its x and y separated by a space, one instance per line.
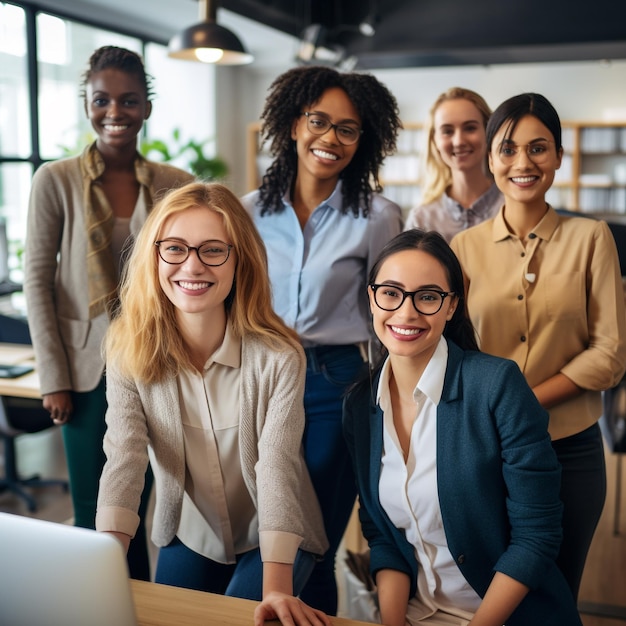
pixel 323 221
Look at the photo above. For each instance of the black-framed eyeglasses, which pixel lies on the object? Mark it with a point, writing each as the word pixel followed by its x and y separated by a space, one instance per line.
pixel 212 252
pixel 425 301
pixel 347 134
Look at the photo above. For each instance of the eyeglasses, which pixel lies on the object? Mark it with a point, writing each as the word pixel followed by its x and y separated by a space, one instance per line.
pixel 346 134
pixel 212 252
pixel 538 151
pixel 425 301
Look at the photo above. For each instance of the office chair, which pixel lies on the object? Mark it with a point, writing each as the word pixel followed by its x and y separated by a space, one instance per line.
pixel 613 425
pixel 19 416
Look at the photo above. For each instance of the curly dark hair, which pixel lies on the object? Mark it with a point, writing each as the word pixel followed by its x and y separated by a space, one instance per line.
pixel 108 57
pixel 301 87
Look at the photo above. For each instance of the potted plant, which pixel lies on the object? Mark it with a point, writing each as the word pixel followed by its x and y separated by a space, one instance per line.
pixel 206 168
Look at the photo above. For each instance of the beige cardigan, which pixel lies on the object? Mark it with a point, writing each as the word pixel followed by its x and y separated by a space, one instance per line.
pixel 144 416
pixel 67 343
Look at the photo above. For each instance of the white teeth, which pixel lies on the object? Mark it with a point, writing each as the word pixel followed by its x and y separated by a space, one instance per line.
pixel 405 331
pixel 325 155
pixel 115 128
pixel 523 179
pixel 192 286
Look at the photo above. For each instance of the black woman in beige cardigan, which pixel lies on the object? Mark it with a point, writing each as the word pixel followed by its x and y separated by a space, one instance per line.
pixel 81 212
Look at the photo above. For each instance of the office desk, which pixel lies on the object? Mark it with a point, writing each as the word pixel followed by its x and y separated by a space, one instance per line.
pixel 162 605
pixel 26 386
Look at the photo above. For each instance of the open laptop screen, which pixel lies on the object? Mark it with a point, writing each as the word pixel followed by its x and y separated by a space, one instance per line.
pixel 57 575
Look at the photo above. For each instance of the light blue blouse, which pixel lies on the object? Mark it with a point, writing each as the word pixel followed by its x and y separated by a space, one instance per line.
pixel 319 274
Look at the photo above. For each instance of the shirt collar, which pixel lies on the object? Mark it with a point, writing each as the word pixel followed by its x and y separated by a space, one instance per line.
pixel 429 384
pixel 544 229
pixel 481 206
pixel 334 201
pixel 229 352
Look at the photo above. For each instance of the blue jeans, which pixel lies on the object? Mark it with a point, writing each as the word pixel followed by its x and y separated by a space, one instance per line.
pixel 330 371
pixel 179 566
pixel 583 492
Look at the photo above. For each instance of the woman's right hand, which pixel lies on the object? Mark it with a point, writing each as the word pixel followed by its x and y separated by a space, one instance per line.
pixel 59 404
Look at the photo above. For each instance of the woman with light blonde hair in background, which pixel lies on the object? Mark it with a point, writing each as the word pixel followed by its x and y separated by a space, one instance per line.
pixel 207 379
pixel 458 189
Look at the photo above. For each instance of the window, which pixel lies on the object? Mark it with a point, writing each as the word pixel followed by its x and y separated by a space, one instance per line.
pixel 57 125
pixel 64 49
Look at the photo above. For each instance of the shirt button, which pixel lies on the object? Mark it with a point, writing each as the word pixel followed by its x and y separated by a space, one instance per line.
pixel 461 559
pixel 532 236
pixel 522 339
pixel 520 297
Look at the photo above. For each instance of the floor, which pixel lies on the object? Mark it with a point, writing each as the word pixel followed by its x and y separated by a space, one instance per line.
pixel 603 592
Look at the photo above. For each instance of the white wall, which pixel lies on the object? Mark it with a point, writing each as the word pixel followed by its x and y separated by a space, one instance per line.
pixel 584 91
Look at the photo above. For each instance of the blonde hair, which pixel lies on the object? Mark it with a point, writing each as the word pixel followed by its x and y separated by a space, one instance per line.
pixel 143 340
pixel 438 176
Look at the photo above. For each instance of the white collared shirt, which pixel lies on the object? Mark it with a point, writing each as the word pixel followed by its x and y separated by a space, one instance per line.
pixel 408 494
pixel 219 519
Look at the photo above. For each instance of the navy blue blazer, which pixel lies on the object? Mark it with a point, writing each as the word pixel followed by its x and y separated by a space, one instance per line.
pixel 498 481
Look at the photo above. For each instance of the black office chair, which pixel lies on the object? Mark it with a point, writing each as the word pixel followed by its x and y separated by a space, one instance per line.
pixel 613 425
pixel 19 416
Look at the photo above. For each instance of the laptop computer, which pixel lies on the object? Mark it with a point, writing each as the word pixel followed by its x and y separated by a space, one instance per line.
pixel 58 575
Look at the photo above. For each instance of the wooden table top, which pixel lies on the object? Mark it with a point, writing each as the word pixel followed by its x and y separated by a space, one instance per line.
pixel 162 605
pixel 26 386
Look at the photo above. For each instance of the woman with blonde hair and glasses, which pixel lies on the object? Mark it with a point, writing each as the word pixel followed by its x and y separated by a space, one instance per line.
pixel 458 189
pixel 545 290
pixel 205 377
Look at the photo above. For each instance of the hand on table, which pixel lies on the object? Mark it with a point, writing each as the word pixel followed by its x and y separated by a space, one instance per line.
pixel 289 610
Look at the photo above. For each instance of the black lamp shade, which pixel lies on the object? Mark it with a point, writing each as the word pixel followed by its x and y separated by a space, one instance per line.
pixel 209 42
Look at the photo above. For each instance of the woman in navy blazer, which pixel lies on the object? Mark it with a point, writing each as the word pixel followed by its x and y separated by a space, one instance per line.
pixel 458 483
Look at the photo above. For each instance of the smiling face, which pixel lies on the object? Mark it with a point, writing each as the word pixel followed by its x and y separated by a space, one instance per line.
pixel 405 332
pixel 459 135
pixel 524 163
pixel 323 157
pixel 192 287
pixel 117 106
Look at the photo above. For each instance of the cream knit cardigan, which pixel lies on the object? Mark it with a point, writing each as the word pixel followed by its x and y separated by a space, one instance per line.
pixel 142 417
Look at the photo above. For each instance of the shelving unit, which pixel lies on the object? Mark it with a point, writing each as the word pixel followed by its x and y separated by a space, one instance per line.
pixel 592 178
pixel 401 172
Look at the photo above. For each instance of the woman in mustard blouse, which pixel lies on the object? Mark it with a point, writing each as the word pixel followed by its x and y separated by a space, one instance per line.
pixel 545 290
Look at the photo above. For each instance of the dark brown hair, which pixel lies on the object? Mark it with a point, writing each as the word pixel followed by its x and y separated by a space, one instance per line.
pixel 511 111
pixel 459 329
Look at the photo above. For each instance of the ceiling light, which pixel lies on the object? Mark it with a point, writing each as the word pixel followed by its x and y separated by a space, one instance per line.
pixel 208 42
pixel 368 26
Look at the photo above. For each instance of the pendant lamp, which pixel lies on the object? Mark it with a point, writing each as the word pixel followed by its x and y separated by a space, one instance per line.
pixel 208 42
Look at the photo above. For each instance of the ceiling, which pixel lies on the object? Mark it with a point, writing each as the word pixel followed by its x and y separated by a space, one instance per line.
pixel 409 33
